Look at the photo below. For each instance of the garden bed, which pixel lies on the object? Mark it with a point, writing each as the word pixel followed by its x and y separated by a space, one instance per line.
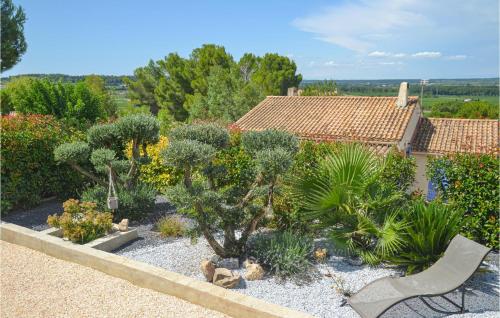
pixel 317 296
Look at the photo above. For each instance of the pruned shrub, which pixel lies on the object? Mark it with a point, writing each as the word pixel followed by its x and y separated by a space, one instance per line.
pixel 104 152
pixel 209 194
pixel 171 226
pixel 81 222
pixel 285 254
pixel 29 171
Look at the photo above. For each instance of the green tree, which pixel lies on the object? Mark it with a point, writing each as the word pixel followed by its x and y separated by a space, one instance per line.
pixel 216 203
pixel 142 89
pixel 460 109
pixel 276 74
pixel 12 34
pixel 323 88
pixel 97 85
pixel 183 85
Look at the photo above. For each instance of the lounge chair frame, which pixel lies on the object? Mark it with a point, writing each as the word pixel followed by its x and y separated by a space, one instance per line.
pixel 462 288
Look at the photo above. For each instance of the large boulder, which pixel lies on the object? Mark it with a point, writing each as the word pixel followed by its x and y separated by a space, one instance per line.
pixel 208 269
pixel 254 272
pixel 223 277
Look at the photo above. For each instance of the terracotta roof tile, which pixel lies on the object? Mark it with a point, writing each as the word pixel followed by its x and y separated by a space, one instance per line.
pixel 447 135
pixel 372 120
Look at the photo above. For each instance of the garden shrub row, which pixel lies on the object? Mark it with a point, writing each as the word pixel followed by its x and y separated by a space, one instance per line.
pixel 470 183
pixel 29 171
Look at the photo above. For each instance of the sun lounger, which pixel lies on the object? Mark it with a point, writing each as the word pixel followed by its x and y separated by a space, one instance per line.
pixel 459 262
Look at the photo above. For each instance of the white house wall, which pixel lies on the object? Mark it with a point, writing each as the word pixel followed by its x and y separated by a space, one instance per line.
pixel 410 128
pixel 421 180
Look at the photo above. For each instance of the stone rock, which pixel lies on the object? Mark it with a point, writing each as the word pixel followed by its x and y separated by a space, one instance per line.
pixel 223 277
pixel 320 254
pixel 215 259
pixel 229 263
pixel 249 261
pixel 208 269
pixel 354 261
pixel 254 272
pixel 123 225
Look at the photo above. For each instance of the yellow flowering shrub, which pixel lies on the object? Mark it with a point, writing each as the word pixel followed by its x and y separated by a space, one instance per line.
pixel 156 173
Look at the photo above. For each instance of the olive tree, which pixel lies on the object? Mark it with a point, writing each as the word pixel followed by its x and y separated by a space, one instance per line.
pixel 231 209
pixel 104 151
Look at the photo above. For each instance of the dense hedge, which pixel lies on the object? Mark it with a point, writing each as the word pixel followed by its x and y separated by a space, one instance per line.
pixel 29 172
pixel 470 183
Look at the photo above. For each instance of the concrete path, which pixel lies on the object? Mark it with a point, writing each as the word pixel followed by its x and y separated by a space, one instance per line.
pixel 37 285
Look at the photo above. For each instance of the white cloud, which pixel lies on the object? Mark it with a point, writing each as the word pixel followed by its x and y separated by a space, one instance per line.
pixel 428 55
pixel 346 25
pixel 399 55
pixel 329 63
pixel 379 54
pixel 373 25
pixel 458 57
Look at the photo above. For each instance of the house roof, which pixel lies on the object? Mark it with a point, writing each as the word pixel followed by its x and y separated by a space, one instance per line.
pixel 448 135
pixel 374 120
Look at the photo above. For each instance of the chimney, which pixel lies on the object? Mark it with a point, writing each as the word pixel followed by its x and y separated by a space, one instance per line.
pixel 403 95
pixel 292 91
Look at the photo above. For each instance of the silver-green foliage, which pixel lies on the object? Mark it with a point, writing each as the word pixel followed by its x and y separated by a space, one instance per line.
pixel 283 253
pixel 219 204
pixel 104 152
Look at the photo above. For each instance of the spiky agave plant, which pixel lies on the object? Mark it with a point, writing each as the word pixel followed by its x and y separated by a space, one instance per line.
pixel 345 196
pixel 432 227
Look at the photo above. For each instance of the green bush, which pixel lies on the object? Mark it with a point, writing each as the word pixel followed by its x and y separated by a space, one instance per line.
pixel 134 203
pixel 285 254
pixel 287 206
pixel 399 170
pixel 470 183
pixel 29 171
pixel 81 222
pixel 77 103
pixel 171 226
pixel 431 228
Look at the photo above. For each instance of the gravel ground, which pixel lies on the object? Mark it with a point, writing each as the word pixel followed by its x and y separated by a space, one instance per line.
pixel 317 297
pixel 37 285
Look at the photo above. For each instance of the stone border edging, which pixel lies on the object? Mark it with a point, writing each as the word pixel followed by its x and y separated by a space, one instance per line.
pixel 144 275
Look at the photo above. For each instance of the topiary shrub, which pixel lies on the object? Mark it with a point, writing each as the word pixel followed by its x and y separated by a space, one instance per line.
pixel 104 151
pixel 285 254
pixel 217 203
pixel 82 222
pixel 29 171
pixel 469 183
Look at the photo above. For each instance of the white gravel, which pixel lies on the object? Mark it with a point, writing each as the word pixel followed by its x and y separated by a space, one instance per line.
pixel 317 297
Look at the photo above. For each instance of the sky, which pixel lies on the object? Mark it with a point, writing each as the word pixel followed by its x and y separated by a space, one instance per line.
pixel 340 39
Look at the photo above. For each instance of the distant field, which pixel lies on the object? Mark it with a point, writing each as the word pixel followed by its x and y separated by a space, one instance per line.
pixel 429 101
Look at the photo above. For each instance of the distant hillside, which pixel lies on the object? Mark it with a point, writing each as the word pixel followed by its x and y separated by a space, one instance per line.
pixel 435 87
pixel 112 81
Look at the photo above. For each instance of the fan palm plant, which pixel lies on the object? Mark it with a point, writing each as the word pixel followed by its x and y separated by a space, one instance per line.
pixel 345 196
pixel 432 227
